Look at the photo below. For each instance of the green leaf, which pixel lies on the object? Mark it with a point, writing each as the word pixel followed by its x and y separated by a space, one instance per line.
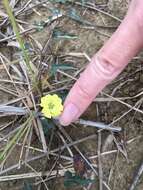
pixel 39 25
pixel 63 67
pixel 83 2
pixel 47 125
pixel 63 94
pixel 55 12
pixel 27 186
pixel 27 46
pixel 71 180
pixel 75 16
pixel 58 34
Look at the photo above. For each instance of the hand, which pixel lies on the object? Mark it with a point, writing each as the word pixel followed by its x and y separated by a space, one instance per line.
pixel 111 59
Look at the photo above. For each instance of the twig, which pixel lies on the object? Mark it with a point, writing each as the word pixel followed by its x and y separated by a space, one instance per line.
pixel 99 10
pixel 137 177
pixel 45 154
pixel 124 103
pixel 124 114
pixel 42 136
pixel 33 175
pixel 23 144
pixel 99 125
pixel 37 174
pixel 12 110
pixel 81 154
pixel 112 168
pixel 65 144
pixel 32 28
pixel 99 162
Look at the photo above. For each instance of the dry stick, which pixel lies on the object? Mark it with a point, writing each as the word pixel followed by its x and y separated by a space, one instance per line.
pixel 81 154
pixel 42 136
pixel 124 114
pixel 101 154
pixel 104 154
pixel 99 10
pixel 23 144
pixel 67 75
pixel 21 33
pixel 78 54
pixel 33 28
pixel 137 177
pixel 74 77
pixel 117 88
pixel 43 155
pixel 99 162
pixel 29 85
pixel 39 176
pixel 28 143
pixel 112 168
pixel 31 97
pixel 52 153
pixel 4 126
pixel 50 172
pixel 99 125
pixel 23 10
pixel 95 26
pixel 16 82
pixel 65 144
pixel 50 141
pixel 4 89
pixel 11 149
pixel 33 175
pixel 74 143
pixel 9 75
pixel 113 100
pixel 124 103
pixel 38 157
pixel 12 110
pixel 54 150
pixel 13 101
pixel 10 133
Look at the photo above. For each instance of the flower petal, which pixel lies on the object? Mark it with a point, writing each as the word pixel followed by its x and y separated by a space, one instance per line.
pixel 53 111
pixel 46 113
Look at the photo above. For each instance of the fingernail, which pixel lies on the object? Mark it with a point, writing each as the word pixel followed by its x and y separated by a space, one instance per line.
pixel 70 114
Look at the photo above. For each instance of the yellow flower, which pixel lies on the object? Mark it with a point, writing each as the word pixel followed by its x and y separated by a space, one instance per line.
pixel 52 105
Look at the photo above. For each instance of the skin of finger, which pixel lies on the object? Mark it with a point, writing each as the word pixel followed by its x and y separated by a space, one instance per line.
pixel 125 43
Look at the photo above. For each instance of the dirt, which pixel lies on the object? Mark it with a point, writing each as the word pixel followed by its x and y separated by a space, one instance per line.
pixel 121 168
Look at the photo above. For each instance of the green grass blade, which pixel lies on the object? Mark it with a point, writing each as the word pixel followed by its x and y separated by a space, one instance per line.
pixel 16 138
pixel 17 33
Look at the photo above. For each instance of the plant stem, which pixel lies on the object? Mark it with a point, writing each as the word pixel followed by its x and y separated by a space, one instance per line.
pixel 17 33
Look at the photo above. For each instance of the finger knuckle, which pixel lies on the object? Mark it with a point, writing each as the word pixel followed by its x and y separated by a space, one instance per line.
pixel 105 67
pixel 82 90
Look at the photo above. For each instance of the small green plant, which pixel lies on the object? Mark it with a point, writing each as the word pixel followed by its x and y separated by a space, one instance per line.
pixel 73 180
